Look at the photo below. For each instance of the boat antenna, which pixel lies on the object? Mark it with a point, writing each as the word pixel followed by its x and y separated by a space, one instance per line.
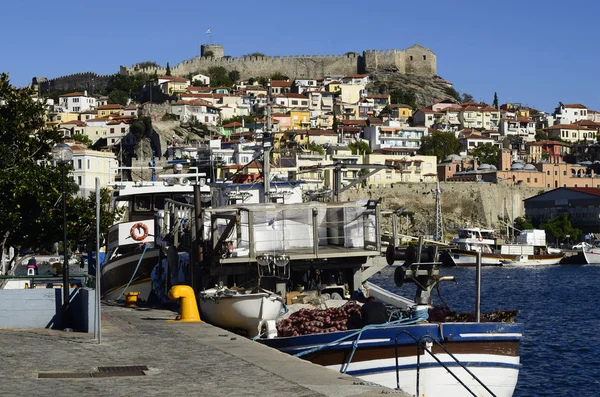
pixel 153 167
pixel 267 144
pixel 439 224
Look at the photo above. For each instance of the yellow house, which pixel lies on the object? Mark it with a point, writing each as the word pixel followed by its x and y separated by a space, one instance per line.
pixel 408 169
pixel 334 87
pixel 300 119
pixel 351 93
pixel 176 85
pixel 55 119
pixel 108 110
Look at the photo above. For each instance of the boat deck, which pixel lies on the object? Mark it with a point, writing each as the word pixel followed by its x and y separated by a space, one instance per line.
pixel 322 252
pixel 223 363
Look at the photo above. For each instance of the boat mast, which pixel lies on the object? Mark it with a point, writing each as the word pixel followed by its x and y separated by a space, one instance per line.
pixel 439 225
pixel 267 146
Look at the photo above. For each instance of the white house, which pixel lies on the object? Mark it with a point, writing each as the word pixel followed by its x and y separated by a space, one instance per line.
pixel 205 80
pixel 395 136
pixel 570 113
pixel 76 102
pixel 523 127
pixel 203 111
pixel 572 132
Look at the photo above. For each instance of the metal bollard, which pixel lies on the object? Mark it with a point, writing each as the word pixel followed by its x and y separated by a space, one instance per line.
pixel 187 301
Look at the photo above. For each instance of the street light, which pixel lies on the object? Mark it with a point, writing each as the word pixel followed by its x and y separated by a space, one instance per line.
pixel 63 154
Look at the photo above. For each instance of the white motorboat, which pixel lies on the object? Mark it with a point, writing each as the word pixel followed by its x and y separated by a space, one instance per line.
pixel 245 310
pixel 530 249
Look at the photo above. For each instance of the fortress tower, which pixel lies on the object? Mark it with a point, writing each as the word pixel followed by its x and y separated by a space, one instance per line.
pixel 216 50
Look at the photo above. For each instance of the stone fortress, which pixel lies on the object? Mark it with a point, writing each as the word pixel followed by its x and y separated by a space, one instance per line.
pixel 415 60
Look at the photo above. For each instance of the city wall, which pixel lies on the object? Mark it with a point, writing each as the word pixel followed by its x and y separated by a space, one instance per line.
pixel 92 82
pixel 463 203
pixel 414 60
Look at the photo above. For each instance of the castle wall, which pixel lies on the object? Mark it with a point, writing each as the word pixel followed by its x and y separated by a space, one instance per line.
pixel 383 60
pixel 295 67
pixel 89 81
pixel 420 60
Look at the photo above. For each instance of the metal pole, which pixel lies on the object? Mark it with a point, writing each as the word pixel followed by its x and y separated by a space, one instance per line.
pixel 65 257
pixel 98 328
pixel 478 288
pixel 419 249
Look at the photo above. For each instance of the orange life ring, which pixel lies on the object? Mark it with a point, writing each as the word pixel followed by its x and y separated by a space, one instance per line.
pixel 134 232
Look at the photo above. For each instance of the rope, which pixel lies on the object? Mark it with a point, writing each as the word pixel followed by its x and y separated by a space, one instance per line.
pixel 135 271
pixel 420 315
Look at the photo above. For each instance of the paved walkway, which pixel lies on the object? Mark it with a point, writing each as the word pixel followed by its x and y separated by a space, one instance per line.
pixel 193 359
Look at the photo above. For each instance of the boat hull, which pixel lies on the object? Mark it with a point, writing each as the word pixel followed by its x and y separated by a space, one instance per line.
pixel 469 258
pixel 489 350
pixel 247 312
pixel 591 255
pixel 117 272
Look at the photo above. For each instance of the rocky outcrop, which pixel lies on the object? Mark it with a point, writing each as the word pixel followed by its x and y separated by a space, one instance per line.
pixel 427 89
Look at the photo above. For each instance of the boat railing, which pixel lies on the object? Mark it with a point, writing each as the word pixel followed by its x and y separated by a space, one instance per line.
pixel 421 346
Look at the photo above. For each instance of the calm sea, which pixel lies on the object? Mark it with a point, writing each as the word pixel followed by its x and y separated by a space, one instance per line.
pixel 560 309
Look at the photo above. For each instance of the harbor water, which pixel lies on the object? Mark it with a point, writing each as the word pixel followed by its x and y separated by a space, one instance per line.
pixel 560 309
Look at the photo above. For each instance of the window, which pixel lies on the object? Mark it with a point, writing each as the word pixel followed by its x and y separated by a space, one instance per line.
pixel 548 173
pixel 424 57
pixel 528 180
pixel 79 180
pixel 75 100
pixel 564 173
pixel 79 164
pixel 122 130
pixel 535 180
pixel 88 164
pixel 112 130
pixel 548 185
pixel 76 109
pixel 411 57
pixel 294 102
pixel 143 203
pixel 555 172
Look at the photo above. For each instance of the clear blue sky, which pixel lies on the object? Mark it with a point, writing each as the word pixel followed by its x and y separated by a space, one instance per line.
pixel 534 52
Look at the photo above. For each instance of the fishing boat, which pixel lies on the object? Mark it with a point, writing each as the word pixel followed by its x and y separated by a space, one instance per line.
pixel 418 352
pixel 529 249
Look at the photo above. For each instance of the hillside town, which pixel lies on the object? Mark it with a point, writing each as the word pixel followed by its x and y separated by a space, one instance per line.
pixel 317 123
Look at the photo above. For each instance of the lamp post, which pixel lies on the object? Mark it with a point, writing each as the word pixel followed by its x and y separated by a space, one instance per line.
pixel 63 154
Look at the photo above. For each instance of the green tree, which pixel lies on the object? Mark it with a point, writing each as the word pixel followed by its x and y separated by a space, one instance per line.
pixel 467 97
pixel 81 138
pixel 408 97
pixel 486 154
pixel 522 223
pixel 218 76
pixel 251 81
pixel 234 76
pixel 360 147
pixel 495 103
pixel 279 76
pixel 439 144
pixel 560 227
pixel 168 72
pixel 29 181
pixel 453 93
pixel 208 53
pixel 118 97
pixel 313 147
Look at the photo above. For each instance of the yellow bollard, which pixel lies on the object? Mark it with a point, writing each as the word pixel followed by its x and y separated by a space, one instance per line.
pixel 187 301
pixel 131 299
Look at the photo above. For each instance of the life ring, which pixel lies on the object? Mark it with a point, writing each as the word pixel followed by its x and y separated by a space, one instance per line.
pixel 480 238
pixel 134 232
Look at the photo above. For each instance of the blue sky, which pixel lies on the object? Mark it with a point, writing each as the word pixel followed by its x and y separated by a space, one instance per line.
pixel 533 52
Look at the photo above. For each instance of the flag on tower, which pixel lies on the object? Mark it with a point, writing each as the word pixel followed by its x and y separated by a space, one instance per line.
pixel 209 31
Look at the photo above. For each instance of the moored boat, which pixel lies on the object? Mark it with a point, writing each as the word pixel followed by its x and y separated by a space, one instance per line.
pixel 591 255
pixel 243 310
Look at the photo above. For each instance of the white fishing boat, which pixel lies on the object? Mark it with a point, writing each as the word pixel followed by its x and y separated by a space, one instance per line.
pixel 591 255
pixel 239 309
pixel 529 249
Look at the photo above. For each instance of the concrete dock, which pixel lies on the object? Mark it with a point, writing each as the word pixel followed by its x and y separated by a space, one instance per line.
pixel 183 359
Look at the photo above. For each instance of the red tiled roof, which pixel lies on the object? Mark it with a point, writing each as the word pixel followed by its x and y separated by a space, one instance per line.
pixel 72 94
pixel 574 106
pixel 281 83
pixel 594 191
pixel 355 122
pixel 321 132
pixel 196 102
pixel 569 127
pixel 235 124
pixel 548 142
pixel 299 96
pixel 475 136
pixel 76 122
pixel 111 106
pixel 356 76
